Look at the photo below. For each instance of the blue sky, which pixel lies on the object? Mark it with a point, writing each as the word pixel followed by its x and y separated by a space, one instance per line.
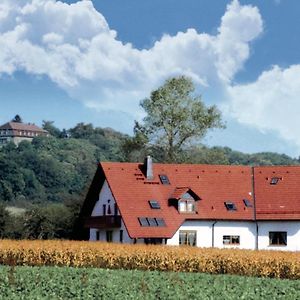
pixel 93 61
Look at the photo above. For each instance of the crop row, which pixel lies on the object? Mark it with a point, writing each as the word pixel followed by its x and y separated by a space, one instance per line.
pixel 93 283
pixel 161 258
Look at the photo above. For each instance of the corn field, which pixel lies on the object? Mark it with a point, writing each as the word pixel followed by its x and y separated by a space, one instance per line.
pixel 274 264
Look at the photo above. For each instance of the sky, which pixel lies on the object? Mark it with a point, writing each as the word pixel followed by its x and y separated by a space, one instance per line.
pixel 94 61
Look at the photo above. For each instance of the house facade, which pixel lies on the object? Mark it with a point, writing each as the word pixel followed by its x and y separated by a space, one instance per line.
pixel 197 205
pixel 17 132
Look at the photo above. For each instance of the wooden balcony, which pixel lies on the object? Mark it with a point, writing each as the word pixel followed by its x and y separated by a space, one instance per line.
pixel 103 222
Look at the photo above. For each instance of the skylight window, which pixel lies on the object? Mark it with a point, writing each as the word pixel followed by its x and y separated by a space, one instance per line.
pixel 154 204
pixel 230 206
pixel 274 180
pixel 164 179
pixel 160 222
pixel 152 222
pixel 247 203
pixel 144 222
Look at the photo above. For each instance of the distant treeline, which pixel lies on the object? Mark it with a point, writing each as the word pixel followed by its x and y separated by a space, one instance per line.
pixel 50 176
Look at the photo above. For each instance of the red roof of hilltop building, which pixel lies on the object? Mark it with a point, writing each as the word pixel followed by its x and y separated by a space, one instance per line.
pixel 16 127
pixel 220 193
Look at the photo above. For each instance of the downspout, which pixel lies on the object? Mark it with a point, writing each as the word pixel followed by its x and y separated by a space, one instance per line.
pixel 254 208
pixel 213 234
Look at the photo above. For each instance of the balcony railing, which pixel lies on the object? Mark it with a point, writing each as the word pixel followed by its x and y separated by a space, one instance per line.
pixel 103 222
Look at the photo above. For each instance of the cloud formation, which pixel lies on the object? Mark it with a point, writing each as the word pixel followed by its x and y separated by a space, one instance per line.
pixel 74 46
pixel 271 103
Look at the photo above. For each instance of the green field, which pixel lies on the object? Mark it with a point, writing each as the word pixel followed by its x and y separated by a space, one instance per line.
pixel 90 283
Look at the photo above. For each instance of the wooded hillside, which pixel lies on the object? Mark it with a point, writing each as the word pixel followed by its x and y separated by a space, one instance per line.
pixel 60 167
pixel 49 177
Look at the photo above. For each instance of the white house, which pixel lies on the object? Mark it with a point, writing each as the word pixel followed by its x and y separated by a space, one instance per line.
pixel 198 205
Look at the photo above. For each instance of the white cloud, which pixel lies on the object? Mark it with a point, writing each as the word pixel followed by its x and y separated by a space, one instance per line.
pixel 240 25
pixel 270 103
pixel 74 46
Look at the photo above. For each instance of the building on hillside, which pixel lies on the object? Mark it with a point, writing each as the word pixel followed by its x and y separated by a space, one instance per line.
pixel 17 132
pixel 198 205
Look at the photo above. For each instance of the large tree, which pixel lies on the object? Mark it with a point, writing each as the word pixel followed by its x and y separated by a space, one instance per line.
pixel 176 116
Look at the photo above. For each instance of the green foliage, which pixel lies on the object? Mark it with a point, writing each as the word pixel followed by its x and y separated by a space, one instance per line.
pixel 54 131
pixel 89 283
pixel 175 117
pixel 54 168
pixel 4 216
pixel 108 141
pixel 52 221
pixel 17 119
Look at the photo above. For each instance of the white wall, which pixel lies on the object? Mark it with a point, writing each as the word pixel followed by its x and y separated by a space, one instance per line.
pixel 106 197
pixel 203 229
pixel 246 231
pixel 293 234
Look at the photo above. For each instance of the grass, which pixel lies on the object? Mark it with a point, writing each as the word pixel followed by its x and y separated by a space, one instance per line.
pixel 90 283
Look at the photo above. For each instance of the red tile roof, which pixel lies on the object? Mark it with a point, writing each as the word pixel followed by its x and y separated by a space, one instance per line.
pixel 178 192
pixel 279 201
pixel 22 126
pixel 213 184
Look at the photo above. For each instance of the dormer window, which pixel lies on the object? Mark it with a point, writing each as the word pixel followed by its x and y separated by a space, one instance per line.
pixel 186 205
pixel 230 206
pixel 184 199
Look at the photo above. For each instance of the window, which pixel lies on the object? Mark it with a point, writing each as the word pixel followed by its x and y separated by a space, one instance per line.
pixel 186 196
pixel 274 180
pixel 190 205
pixel 160 222
pixel 154 204
pixel 230 206
pixel 104 209
pixel 164 179
pixel 278 238
pixel 231 239
pixel 153 241
pixel 186 206
pixel 152 222
pixel 143 222
pixel 187 237
pixel 121 236
pixel 247 203
pixel 97 235
pixel 109 236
